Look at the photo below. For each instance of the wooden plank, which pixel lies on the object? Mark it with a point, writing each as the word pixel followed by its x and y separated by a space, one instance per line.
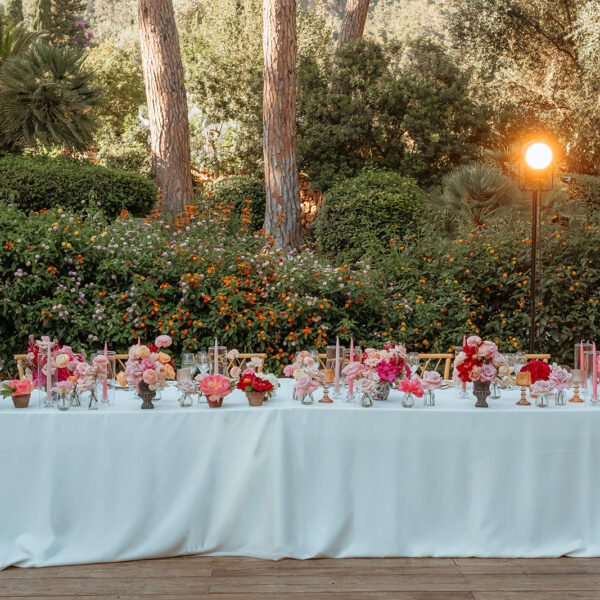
pixel 480 566
pixel 532 595
pixel 518 582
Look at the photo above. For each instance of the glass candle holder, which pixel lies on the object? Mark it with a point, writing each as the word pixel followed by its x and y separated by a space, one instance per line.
pixel 221 359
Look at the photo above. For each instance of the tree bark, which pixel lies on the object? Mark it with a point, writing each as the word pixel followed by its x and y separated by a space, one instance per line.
pixel 283 214
pixel 167 103
pixel 353 23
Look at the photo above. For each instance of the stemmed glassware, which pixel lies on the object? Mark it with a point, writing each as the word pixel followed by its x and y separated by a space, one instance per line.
pixel 413 362
pixel 203 363
pixel 188 361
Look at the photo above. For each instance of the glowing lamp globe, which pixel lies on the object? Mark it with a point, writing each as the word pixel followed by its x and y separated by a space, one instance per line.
pixel 538 156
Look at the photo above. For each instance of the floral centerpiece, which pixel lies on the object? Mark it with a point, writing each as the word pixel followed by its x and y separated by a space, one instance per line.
pixel 149 367
pixel 63 389
pixel 257 386
pixel 307 375
pixel 561 380
pixel 383 367
pixel 215 388
pixel 540 370
pixel 411 388
pixel 19 390
pixel 187 388
pixel 63 361
pixel 89 377
pixel 431 381
pixel 479 362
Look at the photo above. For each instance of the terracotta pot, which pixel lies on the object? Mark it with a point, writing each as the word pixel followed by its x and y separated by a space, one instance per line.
pixel 215 403
pixel 255 398
pixel 21 401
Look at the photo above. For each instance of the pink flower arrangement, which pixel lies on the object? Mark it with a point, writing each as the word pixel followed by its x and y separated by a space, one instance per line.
pixel 478 361
pixel 147 364
pixel 411 386
pixel 306 373
pixel 560 378
pixel 387 365
pixel 17 387
pixel 431 380
pixel 63 387
pixel 63 361
pixel 215 387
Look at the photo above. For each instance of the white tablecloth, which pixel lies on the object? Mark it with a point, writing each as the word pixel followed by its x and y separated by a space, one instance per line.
pixel 299 481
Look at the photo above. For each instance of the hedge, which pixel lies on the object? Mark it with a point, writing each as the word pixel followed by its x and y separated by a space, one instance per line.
pixel 36 183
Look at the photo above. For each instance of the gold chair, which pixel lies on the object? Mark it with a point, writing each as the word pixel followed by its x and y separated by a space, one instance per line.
pixel 243 358
pixel 20 359
pixel 544 357
pixel 436 362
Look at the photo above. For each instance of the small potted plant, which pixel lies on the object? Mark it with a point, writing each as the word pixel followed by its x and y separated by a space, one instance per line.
pixel 19 390
pixel 257 388
pixel 215 388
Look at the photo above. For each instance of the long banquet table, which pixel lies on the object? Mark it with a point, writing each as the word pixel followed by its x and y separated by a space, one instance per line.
pixel 287 480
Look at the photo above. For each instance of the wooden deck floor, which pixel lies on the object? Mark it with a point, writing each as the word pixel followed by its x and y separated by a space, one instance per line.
pixel 198 578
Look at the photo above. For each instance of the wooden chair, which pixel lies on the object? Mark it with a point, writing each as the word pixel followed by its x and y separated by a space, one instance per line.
pixel 20 359
pixel 544 357
pixel 243 358
pixel 436 362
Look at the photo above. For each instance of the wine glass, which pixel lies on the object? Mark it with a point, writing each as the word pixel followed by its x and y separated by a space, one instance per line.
pixel 413 362
pixel 202 362
pixel 188 361
pixel 314 354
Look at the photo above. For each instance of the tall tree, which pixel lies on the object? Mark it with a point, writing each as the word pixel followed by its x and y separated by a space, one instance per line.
pixel 68 27
pixel 14 11
pixel 353 23
pixel 167 102
pixel 283 215
pixel 42 15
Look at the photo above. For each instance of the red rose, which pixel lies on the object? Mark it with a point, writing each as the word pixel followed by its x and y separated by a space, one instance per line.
pixel 540 371
pixel 246 381
pixel 152 348
pixel 262 385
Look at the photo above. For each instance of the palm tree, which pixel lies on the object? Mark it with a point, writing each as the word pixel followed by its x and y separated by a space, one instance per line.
pixel 46 94
pixel 14 38
pixel 472 194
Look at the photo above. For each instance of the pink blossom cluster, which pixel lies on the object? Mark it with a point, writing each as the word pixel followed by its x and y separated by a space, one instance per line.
pixel 150 366
pixel 478 361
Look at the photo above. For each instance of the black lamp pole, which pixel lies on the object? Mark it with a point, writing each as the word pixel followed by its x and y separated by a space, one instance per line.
pixel 534 214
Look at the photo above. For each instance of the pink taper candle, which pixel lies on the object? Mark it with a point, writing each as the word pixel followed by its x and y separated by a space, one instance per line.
pixel 49 374
pixel 464 383
pixel 105 382
pixel 582 364
pixel 594 374
pixel 139 342
pixel 351 384
pixel 216 358
pixel 337 365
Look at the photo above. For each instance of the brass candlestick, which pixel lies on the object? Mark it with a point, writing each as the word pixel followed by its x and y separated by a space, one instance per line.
pixel 524 380
pixel 326 399
pixel 577 381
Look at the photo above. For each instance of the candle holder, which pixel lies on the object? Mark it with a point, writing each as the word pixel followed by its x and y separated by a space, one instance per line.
pixel 221 358
pixel 523 381
pixel 577 381
pixel 326 399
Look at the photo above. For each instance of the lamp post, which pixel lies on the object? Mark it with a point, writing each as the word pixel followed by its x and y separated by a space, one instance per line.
pixel 537 158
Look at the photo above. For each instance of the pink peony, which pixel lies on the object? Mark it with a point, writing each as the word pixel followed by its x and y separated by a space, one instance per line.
pixel 305 385
pixel 101 361
pixel 235 372
pixel 431 380
pixel 411 386
pixel 289 370
pixel 487 350
pixel 148 363
pixel 163 341
pixel 150 377
pixel 488 373
pixel 64 387
pixel 365 386
pixel 473 341
pixel 215 387
pixel 387 371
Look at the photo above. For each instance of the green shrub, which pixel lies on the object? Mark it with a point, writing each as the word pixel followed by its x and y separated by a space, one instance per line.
pixel 584 189
pixel 35 183
pixel 362 214
pixel 241 192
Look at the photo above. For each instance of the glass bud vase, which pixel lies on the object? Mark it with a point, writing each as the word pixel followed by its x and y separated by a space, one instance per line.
pixel 429 398
pixel 495 390
pixel 307 399
pixel 74 398
pixel 541 401
pixel 63 402
pixel 408 401
pixel 560 398
pixel 186 400
pixel 93 400
pixel 366 400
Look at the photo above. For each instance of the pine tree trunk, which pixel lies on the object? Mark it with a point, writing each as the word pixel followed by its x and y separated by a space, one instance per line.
pixel 353 24
pixel 283 215
pixel 167 103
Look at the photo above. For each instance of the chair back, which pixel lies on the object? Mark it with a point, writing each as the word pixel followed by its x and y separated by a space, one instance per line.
pixel 436 362
pixel 243 358
pixel 544 357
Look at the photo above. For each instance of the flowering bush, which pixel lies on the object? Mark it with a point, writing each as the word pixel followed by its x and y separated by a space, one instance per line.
pixel 478 361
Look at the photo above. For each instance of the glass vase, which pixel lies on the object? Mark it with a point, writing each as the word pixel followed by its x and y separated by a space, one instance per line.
pixel 541 401
pixel 92 400
pixel 495 390
pixel 63 402
pixel 429 398
pixel 366 400
pixel 408 401
pixel 307 399
pixel 74 398
pixel 560 398
pixel 186 400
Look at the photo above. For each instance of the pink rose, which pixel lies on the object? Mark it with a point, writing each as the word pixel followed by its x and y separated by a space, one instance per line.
pixel 560 378
pixel 150 377
pixel 431 380
pixel 352 370
pixel 305 385
pixel 498 360
pixel 460 359
pixel 473 341
pixel 148 363
pixel 101 361
pixel 488 373
pixel 488 349
pixel 289 370
pixel 163 341
pixel 235 372
pixel 475 374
